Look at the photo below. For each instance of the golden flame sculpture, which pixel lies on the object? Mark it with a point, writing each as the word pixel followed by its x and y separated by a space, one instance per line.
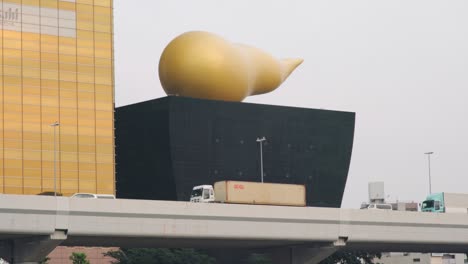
pixel 203 65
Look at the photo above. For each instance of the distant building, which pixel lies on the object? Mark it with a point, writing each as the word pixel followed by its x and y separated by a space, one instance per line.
pixel 376 195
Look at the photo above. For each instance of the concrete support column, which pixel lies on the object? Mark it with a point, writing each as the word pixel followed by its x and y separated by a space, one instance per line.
pixel 31 249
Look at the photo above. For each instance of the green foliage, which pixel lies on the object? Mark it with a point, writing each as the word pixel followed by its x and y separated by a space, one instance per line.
pixel 351 257
pixel 258 259
pixel 79 258
pixel 44 261
pixel 159 256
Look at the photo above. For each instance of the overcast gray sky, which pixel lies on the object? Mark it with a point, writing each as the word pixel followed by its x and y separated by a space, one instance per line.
pixel 400 65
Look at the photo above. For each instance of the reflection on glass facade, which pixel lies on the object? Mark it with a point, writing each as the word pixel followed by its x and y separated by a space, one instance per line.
pixel 56 65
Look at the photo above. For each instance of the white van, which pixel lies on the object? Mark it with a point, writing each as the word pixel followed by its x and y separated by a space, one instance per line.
pixel 93 196
pixel 378 206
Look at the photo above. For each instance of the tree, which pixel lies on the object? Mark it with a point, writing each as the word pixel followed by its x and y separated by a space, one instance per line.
pixel 44 261
pixel 351 257
pixel 79 258
pixel 258 259
pixel 159 256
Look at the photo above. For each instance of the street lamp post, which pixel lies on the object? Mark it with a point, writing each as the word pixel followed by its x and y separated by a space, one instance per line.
pixel 429 164
pixel 55 125
pixel 260 140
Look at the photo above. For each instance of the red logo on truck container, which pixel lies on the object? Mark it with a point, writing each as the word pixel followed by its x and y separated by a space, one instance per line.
pixel 239 186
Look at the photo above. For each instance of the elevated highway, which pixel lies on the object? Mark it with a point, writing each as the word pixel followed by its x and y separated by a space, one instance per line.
pixel 31 226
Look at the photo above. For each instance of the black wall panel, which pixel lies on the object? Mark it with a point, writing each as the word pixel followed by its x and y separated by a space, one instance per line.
pixel 166 146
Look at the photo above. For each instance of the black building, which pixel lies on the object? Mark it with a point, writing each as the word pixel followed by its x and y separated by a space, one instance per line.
pixel 166 146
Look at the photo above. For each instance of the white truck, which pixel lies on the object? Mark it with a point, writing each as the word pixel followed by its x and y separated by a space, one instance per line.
pixel 242 192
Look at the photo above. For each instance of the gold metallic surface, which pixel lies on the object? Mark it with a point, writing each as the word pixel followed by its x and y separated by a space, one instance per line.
pixel 203 65
pixel 56 65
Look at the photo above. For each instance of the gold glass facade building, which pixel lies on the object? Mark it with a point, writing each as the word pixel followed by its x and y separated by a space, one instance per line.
pixel 56 65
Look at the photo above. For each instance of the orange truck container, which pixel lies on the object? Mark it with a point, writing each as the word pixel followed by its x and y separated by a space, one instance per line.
pixel 241 192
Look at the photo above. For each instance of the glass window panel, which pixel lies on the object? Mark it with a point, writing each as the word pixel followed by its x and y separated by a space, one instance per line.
pixel 32 173
pixel 67 175
pixel 52 75
pixel 70 50
pixel 13 172
pixel 83 139
pixel 31 46
pixel 87 174
pixel 48 183
pixel 106 3
pixel 32 164
pixel 11 80
pixel 31 82
pixel 85 34
pixel 49 65
pixel 11 43
pixel 14 61
pixel 85 87
pixel 49 56
pixel 31 63
pixel 68 93
pixel 70 184
pixel 33 55
pixel 31 135
pixel 70 130
pixel 32 145
pixel 67 67
pixel 13 163
pixel 87 166
pixel 69 156
pixel 102 19
pixel 105 140
pixel 32 183
pixel 67 58
pixel 11 70
pixel 68 76
pixel 32 190
pixel 47 165
pixel 68 85
pixel 67 5
pixel 105 186
pixel 103 28
pixel 87 148
pixel 50 101
pixel 11 34
pixel 32 126
pixel 32 118
pixel 12 181
pixel 103 79
pixel 104 149
pixel 12 108
pixel 103 53
pixel 50 84
pixel 69 166
pixel 12 53
pixel 101 62
pixel 86 52
pixel 49 3
pixel 14 144
pixel 87 157
pixel 13 190
pixel 31 72
pixel 32 155
pixel 49 47
pixel 85 104
pixel 85 60
pixel 102 158
pixel 104 115
pixel 69 112
pixel 13 125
